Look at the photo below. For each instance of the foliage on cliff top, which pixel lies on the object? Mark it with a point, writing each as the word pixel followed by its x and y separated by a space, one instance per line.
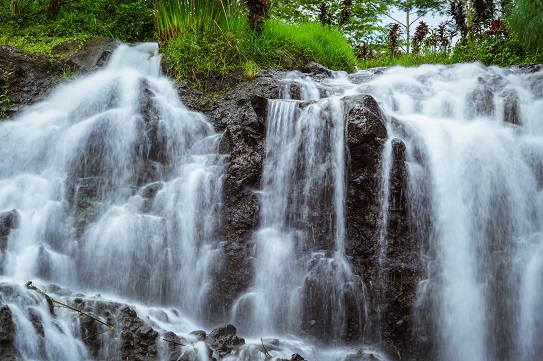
pixel 198 38
pixel 278 45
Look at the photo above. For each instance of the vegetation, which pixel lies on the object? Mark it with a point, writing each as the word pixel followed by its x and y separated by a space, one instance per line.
pixel 202 38
pixel 526 23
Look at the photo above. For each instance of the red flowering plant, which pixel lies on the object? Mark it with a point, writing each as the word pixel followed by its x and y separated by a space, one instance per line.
pixel 257 13
pixel 497 28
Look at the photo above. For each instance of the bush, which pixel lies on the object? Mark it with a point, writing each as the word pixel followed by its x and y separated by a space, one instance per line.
pixel 278 45
pixel 492 50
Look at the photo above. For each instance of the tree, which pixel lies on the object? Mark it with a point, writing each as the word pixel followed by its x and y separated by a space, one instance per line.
pixel 364 16
pixel 526 23
pixel 414 10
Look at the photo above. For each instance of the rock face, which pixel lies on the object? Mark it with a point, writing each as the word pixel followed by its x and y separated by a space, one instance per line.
pixel 30 77
pixel 390 274
pixel 7 335
pixel 240 114
pixel 8 221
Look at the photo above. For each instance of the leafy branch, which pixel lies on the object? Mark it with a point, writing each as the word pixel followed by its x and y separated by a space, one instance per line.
pixel 52 302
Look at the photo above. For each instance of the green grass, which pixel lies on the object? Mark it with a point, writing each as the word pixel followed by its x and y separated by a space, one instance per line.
pixel 303 43
pixel 406 60
pixel 198 38
pixel 195 55
pixel 174 18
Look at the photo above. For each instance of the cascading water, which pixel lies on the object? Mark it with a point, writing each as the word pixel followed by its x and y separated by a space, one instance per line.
pixel 118 187
pixel 303 282
pixel 474 139
pixel 118 190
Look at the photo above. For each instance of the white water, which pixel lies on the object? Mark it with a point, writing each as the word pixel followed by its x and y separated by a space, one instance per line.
pixel 92 131
pixel 475 195
pixel 478 181
pixel 302 278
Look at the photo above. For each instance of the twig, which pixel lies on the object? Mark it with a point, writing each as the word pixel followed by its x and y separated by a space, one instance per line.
pixel 51 301
pixel 264 347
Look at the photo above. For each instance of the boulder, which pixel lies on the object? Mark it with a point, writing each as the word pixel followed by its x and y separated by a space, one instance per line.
pixel 29 77
pixel 8 220
pixel 92 55
pixel 7 335
pixel 223 340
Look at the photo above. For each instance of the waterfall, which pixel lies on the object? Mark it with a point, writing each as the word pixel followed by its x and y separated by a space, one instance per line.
pixel 118 187
pixel 474 140
pixel 303 281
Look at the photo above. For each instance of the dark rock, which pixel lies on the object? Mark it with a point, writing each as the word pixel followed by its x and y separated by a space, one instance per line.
pixel 240 114
pixel 391 288
pixel 199 334
pixel 223 340
pixel 7 327
pixel 8 352
pixel 316 69
pixel 528 68
pixel 296 357
pixel 366 136
pixel 93 54
pixel 401 267
pixel 138 341
pixel 481 101
pixel 511 112
pixel 361 356
pixel 8 220
pixel 175 343
pixel 29 77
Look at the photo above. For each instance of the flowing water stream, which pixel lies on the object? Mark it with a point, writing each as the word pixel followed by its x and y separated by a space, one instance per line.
pixel 474 138
pixel 303 281
pixel 119 190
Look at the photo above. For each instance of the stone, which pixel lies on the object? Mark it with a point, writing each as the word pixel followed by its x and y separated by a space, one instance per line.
pixel 29 77
pixel 199 334
pixel 316 69
pixel 8 220
pixel 92 55
pixel 223 340
pixel 8 352
pixel 7 327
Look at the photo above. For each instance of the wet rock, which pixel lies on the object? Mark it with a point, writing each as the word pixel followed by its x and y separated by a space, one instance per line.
pixel 316 69
pixel 361 356
pixel 175 343
pixel 7 327
pixel 481 101
pixel 138 341
pixel 199 334
pixel 511 112
pixel 401 267
pixel 365 136
pixel 240 114
pixel 8 352
pixel 223 340
pixel 294 357
pixel 391 289
pixel 8 220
